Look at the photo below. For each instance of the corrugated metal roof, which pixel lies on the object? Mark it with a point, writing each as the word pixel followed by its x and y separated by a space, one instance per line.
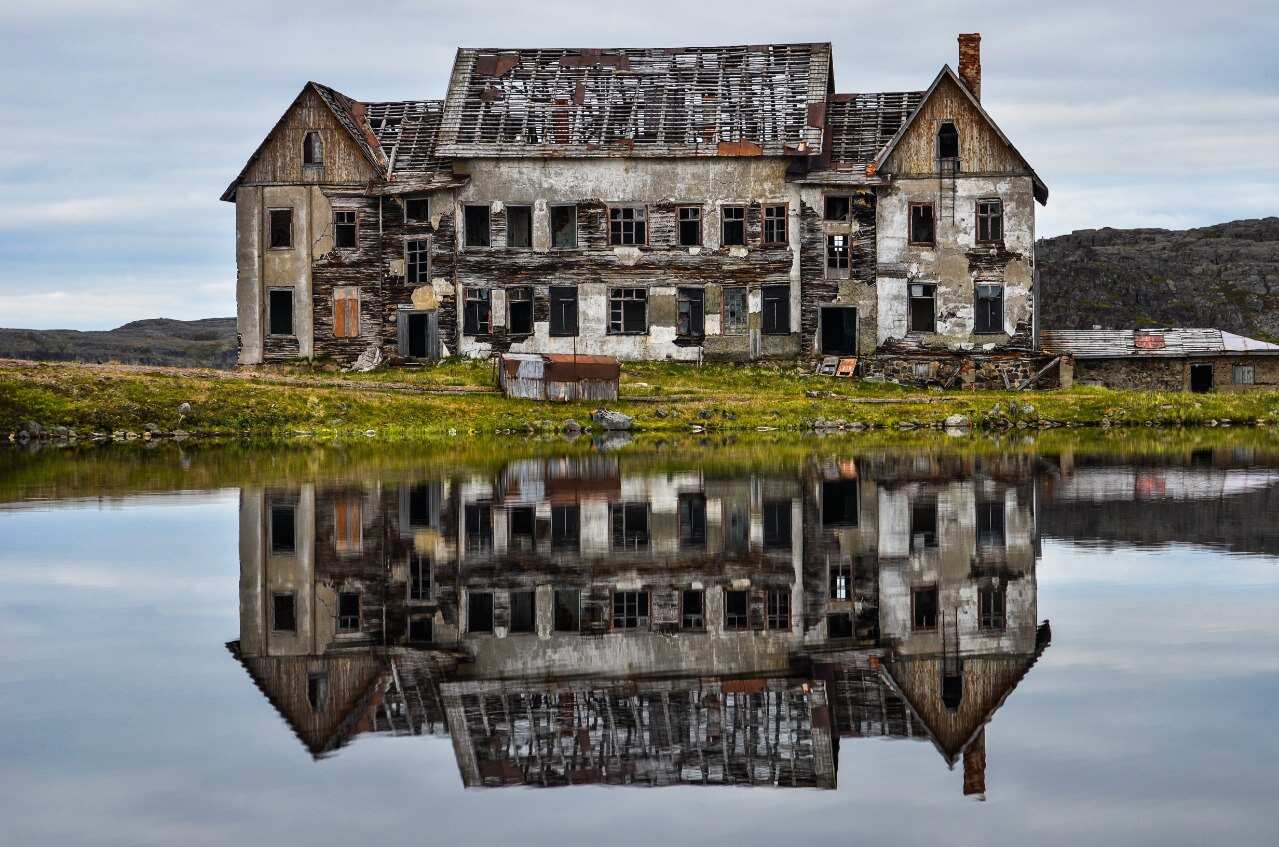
pixel 1151 343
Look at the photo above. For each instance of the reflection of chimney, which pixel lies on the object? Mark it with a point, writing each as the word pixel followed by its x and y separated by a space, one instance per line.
pixel 970 61
pixel 975 767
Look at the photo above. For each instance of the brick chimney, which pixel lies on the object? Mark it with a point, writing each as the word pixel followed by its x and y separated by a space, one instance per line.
pixel 970 62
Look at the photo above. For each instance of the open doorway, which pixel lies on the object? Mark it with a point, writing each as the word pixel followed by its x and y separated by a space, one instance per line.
pixel 419 335
pixel 1201 378
pixel 839 331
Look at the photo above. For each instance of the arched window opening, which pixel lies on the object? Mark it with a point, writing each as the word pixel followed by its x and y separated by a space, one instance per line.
pixel 947 142
pixel 312 149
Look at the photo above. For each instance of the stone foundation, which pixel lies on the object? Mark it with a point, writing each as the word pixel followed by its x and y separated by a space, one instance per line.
pixel 956 371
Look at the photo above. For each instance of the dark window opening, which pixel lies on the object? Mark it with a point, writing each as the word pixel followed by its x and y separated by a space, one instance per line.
pixel 778 608
pixel 839 626
pixel 563 311
pixel 837 257
pixel 479 611
pixel 775 225
pixel 479 526
pixel 283 528
pixel 563 226
pixel 690 226
pixel 523 611
pixel 628 311
pixel 348 611
pixel 281 229
pixel 284 613
pixel 280 306
pixel 839 502
pixel 923 524
pixel 737 610
pixel 777 524
pixel 839 331
pixel 692 521
pixel 521 524
pixel 421 630
pixel 923 603
pixel 419 498
pixel 922 231
pixel 923 308
pixel 630 526
pixel 990 221
pixel 1201 378
pixel 990 524
pixel 626 226
pixel 477 312
pixel 692 604
pixel 419 577
pixel 737 527
pixel 565 527
pixel 776 304
pixel 317 690
pixel 691 313
pixel 417 261
pixel 519 226
pixel 519 310
pixel 734 226
pixel 568 610
pixel 841 581
pixel 734 311
pixel 344 229
pixel 991 608
pixel 630 609
pixel 417 210
pixel 476 225
pixel 990 309
pixel 947 142
pixel 838 207
pixel 312 149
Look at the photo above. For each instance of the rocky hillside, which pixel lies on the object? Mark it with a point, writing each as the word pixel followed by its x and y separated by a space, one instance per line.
pixel 1224 276
pixel 208 343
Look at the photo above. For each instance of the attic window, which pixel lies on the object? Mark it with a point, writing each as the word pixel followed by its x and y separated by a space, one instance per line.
pixel 947 141
pixel 317 690
pixel 312 149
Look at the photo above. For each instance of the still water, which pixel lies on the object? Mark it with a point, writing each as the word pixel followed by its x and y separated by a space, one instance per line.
pixel 816 641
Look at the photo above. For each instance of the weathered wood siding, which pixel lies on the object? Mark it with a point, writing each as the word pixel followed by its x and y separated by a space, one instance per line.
pixel 980 148
pixel 280 159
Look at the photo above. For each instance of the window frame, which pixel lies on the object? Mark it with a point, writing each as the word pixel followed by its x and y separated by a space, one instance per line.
pixel 561 332
pixel 764 301
pixel 915 593
pixel 517 294
pixel 772 540
pixel 642 541
pixel 783 221
pixel 1237 369
pixel 413 259
pixel 848 211
pixel 470 618
pixel 270 311
pixel 274 544
pixel 988 218
pixel 551 224
pixel 639 214
pixel 344 624
pixel 680 221
pixel 270 228
pixel 733 328
pixel 415 590
pixel 775 617
pixel 618 295
pixel 479 330
pixel 627 620
pixel 338 226
pixel 293 599
pixel 931 289
pixel 466 226
pixel 837 270
pixel 531 594
pixel 737 622
pixel 699 625
pixel 910 224
pixel 695 297
pixel 837 571
pixel 724 221
pixel 555 610
pixel 982 317
pixel 507 211
pixel 315 163
pixel 342 294
pixel 418 198
pixel 987 619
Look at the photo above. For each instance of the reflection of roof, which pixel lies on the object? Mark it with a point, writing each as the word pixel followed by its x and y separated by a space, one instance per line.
pixel 1154 343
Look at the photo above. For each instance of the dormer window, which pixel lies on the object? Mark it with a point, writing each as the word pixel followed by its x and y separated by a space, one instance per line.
pixel 312 150
pixel 948 142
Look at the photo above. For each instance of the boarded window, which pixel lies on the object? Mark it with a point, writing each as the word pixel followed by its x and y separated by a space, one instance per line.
pixel 690 315
pixel 479 611
pixel 737 610
pixel 837 207
pixel 417 210
pixel 778 608
pixel 344 233
pixel 568 610
pixel 519 226
pixel 690 226
pixel 839 626
pixel 417 261
pixel 630 526
pixel 991 608
pixel 777 525
pixel 523 611
pixel 312 149
pixel 837 257
pixel 923 308
pixel 921 224
pixel 519 310
pixel 563 311
pixel 284 613
pixel 776 304
pixel 990 221
pixel 630 609
pixel 989 315
pixel 1244 375
pixel 775 225
pixel 839 502
pixel 476 226
pixel 477 312
pixel 283 528
pixel 346 312
pixel 627 226
pixel 419 577
pixel 565 527
pixel 923 604
pixel 348 611
pixel 628 311
pixel 692 521
pixel 281 226
pixel 734 310
pixel 841 580
pixel 692 604
pixel 734 226
pixel 563 226
pixel 348 526
pixel 280 308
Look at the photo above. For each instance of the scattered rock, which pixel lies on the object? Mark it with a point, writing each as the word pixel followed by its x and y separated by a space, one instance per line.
pixel 956 422
pixel 611 420
pixel 150 428
pixel 184 409
pixel 369 360
pixel 571 425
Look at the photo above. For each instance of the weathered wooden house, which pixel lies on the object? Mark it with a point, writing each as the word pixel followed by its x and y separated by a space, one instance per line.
pixel 722 203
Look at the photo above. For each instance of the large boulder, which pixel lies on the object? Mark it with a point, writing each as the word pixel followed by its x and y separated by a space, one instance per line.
pixel 611 420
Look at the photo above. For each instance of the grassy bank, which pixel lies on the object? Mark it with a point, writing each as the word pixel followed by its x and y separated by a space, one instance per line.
pixel 458 398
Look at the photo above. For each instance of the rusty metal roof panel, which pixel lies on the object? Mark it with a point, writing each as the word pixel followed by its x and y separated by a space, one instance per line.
pixel 1151 343
pixel 692 101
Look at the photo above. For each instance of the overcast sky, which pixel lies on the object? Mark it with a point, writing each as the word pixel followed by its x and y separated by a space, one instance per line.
pixel 125 119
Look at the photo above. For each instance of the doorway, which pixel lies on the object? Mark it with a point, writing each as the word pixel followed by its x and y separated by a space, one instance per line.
pixel 1201 378
pixel 839 331
pixel 419 335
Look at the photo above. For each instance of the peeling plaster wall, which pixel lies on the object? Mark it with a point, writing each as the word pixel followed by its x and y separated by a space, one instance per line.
pixel 260 269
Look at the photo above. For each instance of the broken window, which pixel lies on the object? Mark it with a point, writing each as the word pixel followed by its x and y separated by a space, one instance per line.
pixel 479 611
pixel 477 312
pixel 734 321
pixel 479 526
pixel 280 308
pixel 692 609
pixel 841 581
pixel 1244 375
pixel 837 207
pixel 775 225
pixel 628 311
pixel 519 226
pixel 923 524
pixel 630 525
pixel 417 261
pixel 630 609
pixel 346 312
pixel 734 226
pixel 521 523
pixel 690 316
pixel 839 502
pixel 839 626
pixel 690 226
pixel 989 315
pixel 568 610
pixel 344 228
pixel 921 224
pixel 565 527
pixel 947 142
pixel 563 311
pixel 778 608
pixel 990 221
pixel 626 226
pixel 991 606
pixel 837 257
pixel 348 611
pixel 519 310
pixel 923 604
pixel 419 577
pixel 417 210
pixel 923 307
pixel 284 613
pixel 348 526
pixel 776 303
pixel 475 222
pixel 990 524
pixel 737 610
pixel 283 528
pixel 312 149
pixel 777 534
pixel 421 630
pixel 281 223
pixel 563 226
pixel 523 611
pixel 692 521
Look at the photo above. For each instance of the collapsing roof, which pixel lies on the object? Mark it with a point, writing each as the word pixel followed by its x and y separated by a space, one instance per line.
pixel 1152 343
pixel 861 124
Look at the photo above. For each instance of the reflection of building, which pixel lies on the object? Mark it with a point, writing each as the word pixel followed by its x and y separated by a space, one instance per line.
pixel 572 621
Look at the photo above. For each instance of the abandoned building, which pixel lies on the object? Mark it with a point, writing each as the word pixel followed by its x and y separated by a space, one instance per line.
pixel 693 204
pixel 1199 360
pixel 571 621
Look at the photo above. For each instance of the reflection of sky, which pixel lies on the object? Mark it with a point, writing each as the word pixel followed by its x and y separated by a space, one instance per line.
pixel 123 720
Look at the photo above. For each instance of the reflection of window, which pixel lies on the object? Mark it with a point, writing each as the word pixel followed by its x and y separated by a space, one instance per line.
pixel 841 581
pixel 420 505
pixel 479 526
pixel 479 611
pixel 348 526
pixel 419 577
pixel 923 604
pixel 565 521
pixel 284 613
pixel 778 608
pixel 567 610
pixel 630 609
pixel 990 524
pixel 839 625
pixel 523 611
pixel 777 524
pixel 421 630
pixel 317 690
pixel 737 527
pixel 737 610
pixel 734 310
pixel 522 526
pixel 630 525
pixel 991 605
pixel 923 524
pixel 692 605
pixel 839 502
pixel 692 520
pixel 348 611
pixel 283 528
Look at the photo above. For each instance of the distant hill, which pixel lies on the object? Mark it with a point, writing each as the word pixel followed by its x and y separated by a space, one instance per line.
pixel 1224 276
pixel 208 343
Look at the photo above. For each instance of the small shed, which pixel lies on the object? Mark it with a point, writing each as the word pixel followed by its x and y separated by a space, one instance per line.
pixel 558 376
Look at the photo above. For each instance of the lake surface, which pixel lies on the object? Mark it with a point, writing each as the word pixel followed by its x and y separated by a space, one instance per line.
pixel 810 641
